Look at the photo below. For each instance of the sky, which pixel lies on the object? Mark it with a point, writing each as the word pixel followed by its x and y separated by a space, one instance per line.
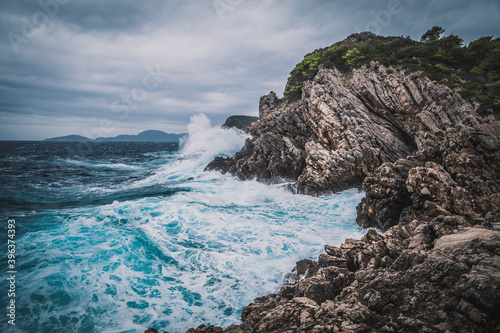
pixel 102 68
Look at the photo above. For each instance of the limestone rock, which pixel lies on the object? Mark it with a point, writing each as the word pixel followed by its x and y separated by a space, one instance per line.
pixel 349 124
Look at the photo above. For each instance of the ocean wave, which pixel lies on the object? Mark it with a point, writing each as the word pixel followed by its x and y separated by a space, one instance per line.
pixel 173 261
pixel 91 164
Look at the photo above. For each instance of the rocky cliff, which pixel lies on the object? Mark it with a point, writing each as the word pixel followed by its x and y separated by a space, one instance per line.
pixel 430 167
pixel 429 164
pixel 347 125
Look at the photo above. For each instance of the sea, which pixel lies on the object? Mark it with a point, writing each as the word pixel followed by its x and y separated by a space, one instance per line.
pixel 122 236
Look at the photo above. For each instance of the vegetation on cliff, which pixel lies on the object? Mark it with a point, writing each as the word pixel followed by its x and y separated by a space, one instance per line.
pixel 474 70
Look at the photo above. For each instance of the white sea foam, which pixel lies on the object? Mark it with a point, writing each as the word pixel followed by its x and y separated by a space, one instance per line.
pixel 102 165
pixel 176 262
pixel 204 142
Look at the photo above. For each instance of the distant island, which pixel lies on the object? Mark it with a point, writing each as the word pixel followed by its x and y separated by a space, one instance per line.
pixel 239 122
pixel 145 136
pixel 70 138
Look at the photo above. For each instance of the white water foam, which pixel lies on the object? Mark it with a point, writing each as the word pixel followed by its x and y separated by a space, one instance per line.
pixel 203 143
pixel 179 261
pixel 122 166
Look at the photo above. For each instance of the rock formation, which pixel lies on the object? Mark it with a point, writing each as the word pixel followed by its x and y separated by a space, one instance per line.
pixel 345 126
pixel 430 167
pixel 267 104
pixel 429 164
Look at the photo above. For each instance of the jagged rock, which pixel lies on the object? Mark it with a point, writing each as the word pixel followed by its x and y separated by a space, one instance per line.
pixel 267 104
pixel 303 269
pixel 306 268
pixel 411 142
pixel 430 167
pixel 453 286
pixel 153 330
pixel 206 329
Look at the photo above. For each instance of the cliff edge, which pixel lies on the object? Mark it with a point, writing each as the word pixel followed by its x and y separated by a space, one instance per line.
pixel 429 163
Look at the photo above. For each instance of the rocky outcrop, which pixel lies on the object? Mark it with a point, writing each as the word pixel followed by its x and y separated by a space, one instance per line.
pixel 436 276
pixel 455 173
pixel 267 104
pixel 393 133
pixel 344 127
pixel 430 167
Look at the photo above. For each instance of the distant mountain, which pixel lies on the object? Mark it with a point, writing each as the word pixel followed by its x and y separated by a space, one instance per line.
pixel 146 136
pixel 69 138
pixel 150 135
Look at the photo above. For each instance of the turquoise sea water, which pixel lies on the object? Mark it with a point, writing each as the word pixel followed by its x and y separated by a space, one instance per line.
pixel 119 237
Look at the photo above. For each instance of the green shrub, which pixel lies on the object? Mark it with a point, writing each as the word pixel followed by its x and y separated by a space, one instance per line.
pixel 353 57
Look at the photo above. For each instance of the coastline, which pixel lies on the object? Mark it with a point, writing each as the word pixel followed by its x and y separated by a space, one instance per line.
pixel 434 268
pixel 429 162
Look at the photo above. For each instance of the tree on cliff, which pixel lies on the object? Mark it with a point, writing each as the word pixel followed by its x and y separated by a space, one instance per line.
pixel 432 34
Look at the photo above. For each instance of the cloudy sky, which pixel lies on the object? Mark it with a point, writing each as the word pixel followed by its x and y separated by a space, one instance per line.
pixel 109 67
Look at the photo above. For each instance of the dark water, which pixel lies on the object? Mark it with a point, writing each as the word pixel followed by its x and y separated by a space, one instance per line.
pixel 56 175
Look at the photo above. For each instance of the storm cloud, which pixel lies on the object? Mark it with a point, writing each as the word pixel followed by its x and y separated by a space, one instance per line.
pixel 102 68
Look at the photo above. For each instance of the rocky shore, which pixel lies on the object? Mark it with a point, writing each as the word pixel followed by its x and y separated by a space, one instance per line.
pixel 429 164
pixel 408 279
pixel 430 167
